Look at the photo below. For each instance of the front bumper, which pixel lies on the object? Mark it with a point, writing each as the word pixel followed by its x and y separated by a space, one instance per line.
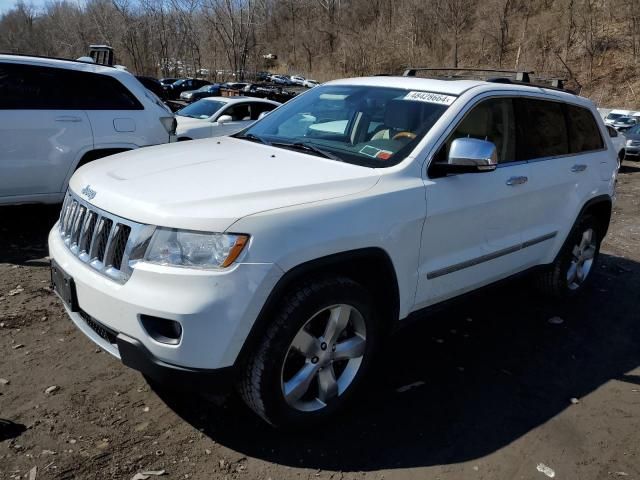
pixel 632 152
pixel 216 310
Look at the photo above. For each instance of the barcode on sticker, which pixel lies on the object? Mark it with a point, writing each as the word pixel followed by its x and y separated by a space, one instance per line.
pixel 430 98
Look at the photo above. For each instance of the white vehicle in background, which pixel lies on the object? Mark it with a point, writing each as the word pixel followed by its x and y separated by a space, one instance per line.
pixel 310 83
pixel 615 114
pixel 297 80
pixel 619 142
pixel 280 260
pixel 219 116
pixel 57 115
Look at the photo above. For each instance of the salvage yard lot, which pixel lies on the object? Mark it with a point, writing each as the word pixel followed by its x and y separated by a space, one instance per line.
pixel 497 388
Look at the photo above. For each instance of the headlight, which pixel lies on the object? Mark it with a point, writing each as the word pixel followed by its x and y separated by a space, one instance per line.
pixel 185 248
pixel 629 143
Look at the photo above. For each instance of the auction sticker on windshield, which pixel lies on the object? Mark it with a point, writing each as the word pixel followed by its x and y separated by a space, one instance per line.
pixel 429 97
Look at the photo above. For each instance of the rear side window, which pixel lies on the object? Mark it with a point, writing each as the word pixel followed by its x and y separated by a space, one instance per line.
pixel 543 133
pixel 584 134
pixel 29 87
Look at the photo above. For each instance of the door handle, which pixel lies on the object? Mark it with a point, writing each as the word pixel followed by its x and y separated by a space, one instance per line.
pixel 579 167
pixel 517 181
pixel 68 118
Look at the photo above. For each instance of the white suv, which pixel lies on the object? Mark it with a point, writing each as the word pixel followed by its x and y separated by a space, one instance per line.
pixel 279 258
pixel 56 115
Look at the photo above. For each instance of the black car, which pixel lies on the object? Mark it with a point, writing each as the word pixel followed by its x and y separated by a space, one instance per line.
pixel 176 88
pixel 263 76
pixel 203 92
pixel 168 81
pixel 154 85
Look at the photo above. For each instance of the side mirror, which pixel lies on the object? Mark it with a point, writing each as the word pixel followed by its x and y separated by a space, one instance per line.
pixel 222 119
pixel 263 114
pixel 469 155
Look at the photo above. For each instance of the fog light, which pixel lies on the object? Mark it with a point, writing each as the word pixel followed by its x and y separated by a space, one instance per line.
pixel 161 329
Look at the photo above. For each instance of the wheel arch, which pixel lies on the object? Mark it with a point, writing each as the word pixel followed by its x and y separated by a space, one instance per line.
pixel 601 208
pixel 371 267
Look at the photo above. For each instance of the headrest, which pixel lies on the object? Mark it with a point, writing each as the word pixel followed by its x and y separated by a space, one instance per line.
pixel 402 115
pixel 477 123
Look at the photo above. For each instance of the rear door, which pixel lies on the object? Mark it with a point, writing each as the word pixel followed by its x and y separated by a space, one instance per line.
pixel 117 117
pixel 42 132
pixel 472 233
pixel 562 143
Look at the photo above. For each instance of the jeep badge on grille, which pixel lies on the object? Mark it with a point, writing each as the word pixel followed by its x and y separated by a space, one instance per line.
pixel 88 192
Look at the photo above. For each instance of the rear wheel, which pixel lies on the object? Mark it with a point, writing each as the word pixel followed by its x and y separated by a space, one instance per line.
pixel 574 265
pixel 314 356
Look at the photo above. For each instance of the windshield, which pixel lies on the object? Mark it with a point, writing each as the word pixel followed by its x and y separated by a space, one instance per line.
pixel 370 126
pixel 626 120
pixel 202 109
pixel 614 116
pixel 635 130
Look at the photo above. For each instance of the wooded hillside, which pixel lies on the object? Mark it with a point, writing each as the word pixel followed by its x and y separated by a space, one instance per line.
pixel 596 43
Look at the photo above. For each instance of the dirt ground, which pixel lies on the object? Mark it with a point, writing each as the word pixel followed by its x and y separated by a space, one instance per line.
pixel 498 388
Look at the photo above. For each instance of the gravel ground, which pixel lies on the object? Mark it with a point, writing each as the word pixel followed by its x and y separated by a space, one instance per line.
pixel 497 389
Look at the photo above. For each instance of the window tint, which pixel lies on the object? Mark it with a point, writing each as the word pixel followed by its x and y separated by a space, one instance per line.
pixel 29 87
pixel 238 112
pixel 258 108
pixel 491 120
pixel 543 129
pixel 584 134
pixel 613 133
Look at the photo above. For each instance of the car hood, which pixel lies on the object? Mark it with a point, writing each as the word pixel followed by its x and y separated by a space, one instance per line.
pixel 632 136
pixel 209 184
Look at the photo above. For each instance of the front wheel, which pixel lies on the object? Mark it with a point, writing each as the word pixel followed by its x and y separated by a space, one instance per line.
pixel 314 356
pixel 575 263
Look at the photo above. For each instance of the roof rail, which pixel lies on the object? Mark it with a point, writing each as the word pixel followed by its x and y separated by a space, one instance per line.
pixel 517 77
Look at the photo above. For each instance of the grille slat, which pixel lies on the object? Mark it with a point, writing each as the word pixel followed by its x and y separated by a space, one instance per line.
pixel 100 239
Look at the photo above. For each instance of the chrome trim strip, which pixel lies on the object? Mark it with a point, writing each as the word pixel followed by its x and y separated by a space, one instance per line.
pixel 490 256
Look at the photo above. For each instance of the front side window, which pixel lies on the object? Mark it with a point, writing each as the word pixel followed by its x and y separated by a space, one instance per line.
pixel 492 120
pixel 584 134
pixel 259 107
pixel 238 112
pixel 364 125
pixel 543 131
pixel 202 109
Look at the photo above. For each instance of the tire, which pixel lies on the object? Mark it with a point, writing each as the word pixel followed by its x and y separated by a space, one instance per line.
pixel 294 357
pixel 573 268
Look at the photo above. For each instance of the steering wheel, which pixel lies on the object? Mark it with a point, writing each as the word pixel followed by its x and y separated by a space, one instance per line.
pixel 405 134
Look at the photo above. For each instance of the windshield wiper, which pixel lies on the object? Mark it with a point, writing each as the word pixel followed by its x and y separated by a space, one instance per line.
pixel 307 147
pixel 253 138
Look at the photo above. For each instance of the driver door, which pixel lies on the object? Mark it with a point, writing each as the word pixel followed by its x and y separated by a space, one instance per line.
pixel 472 233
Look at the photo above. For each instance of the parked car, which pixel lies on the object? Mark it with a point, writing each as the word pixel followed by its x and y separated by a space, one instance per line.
pixel 176 88
pixel 262 76
pixel 614 115
pixel 168 81
pixel 153 85
pixel 624 123
pixel 218 116
pixel 58 115
pixel 279 260
pixel 619 142
pixel 310 83
pixel 203 92
pixel 632 143
pixel 297 80
pixel 280 80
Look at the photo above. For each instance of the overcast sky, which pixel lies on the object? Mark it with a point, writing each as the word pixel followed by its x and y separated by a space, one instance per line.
pixel 8 4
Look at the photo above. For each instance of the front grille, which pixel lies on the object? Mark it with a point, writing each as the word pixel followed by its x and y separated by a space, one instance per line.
pixel 635 143
pixel 103 331
pixel 100 239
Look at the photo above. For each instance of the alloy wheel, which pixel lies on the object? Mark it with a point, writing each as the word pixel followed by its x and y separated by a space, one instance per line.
pixel 583 254
pixel 324 358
